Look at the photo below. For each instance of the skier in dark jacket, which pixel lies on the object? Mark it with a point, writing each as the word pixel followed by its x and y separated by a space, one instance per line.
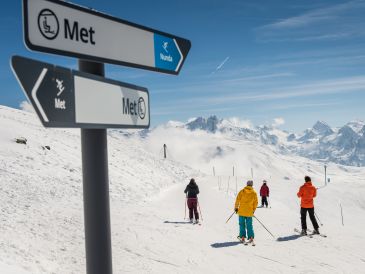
pixel 264 193
pixel 191 191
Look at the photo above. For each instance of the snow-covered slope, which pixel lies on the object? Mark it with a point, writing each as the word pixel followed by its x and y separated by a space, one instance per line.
pixel 41 190
pixel 42 216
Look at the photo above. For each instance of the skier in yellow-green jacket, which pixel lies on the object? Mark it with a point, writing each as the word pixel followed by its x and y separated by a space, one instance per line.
pixel 245 206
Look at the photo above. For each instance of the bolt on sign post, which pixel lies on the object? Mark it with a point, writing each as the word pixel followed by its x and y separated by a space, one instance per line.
pixel 85 99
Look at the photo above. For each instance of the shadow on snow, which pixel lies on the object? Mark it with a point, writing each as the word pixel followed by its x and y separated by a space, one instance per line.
pixel 176 223
pixel 288 238
pixel 226 244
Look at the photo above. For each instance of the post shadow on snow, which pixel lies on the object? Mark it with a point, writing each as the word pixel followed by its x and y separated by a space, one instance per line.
pixel 225 244
pixel 288 238
pixel 177 223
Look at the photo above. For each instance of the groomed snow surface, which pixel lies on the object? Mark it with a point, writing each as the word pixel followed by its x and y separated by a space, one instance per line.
pixel 41 217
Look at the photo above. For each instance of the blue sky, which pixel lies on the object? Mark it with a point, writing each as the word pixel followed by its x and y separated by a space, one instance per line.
pixel 300 61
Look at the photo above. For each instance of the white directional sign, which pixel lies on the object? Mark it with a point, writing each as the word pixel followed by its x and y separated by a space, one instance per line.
pixel 63 28
pixel 68 98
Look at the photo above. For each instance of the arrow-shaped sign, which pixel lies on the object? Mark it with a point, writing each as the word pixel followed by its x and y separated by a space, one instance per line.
pixel 69 98
pixel 63 28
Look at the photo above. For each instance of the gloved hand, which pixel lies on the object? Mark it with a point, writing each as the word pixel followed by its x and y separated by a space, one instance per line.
pixel 236 210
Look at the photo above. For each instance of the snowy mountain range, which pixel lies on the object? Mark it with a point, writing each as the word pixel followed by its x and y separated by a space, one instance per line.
pixel 344 145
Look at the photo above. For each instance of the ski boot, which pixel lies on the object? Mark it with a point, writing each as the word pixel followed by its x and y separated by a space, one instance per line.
pixel 250 241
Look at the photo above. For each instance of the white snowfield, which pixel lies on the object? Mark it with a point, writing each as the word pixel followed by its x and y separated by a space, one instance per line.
pixel 41 217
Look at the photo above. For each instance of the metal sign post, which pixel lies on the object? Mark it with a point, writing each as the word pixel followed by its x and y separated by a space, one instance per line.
pixel 85 99
pixel 96 191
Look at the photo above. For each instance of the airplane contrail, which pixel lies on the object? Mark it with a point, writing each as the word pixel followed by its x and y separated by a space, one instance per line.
pixel 222 64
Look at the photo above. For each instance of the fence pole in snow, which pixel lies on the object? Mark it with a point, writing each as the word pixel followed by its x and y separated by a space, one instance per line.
pixel 341 215
pixel 236 185
pixel 164 150
pixel 325 175
pixel 213 171
pixel 233 171
pixel 229 178
pixel 94 152
pixel 251 173
pixel 185 202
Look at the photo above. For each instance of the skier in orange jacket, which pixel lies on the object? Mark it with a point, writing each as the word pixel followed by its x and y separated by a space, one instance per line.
pixel 307 192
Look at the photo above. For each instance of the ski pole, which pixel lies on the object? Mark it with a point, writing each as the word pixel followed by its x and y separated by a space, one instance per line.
pixel 185 207
pixel 268 202
pixel 200 211
pixel 264 226
pixel 318 218
pixel 230 216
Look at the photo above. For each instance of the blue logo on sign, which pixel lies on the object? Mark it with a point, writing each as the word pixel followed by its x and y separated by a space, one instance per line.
pixel 167 53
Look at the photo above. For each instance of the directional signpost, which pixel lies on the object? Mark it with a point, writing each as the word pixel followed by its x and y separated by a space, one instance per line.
pixel 69 98
pixel 85 99
pixel 63 28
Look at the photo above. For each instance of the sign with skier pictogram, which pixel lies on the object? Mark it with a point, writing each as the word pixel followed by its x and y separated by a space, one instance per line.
pixel 69 98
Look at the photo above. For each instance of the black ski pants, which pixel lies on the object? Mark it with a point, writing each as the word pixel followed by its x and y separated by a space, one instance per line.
pixel 303 217
pixel 264 201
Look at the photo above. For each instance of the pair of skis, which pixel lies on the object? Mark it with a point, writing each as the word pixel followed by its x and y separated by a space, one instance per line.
pixel 311 233
pixel 246 242
pixel 195 223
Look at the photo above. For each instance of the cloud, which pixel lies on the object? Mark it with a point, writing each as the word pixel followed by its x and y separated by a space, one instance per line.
pixel 278 122
pixel 26 106
pixel 260 77
pixel 204 150
pixel 225 100
pixel 334 86
pixel 315 16
pixel 237 122
pixel 307 106
pixel 340 21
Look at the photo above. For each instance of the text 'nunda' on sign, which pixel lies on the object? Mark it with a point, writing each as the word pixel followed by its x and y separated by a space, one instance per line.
pixel 75 33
